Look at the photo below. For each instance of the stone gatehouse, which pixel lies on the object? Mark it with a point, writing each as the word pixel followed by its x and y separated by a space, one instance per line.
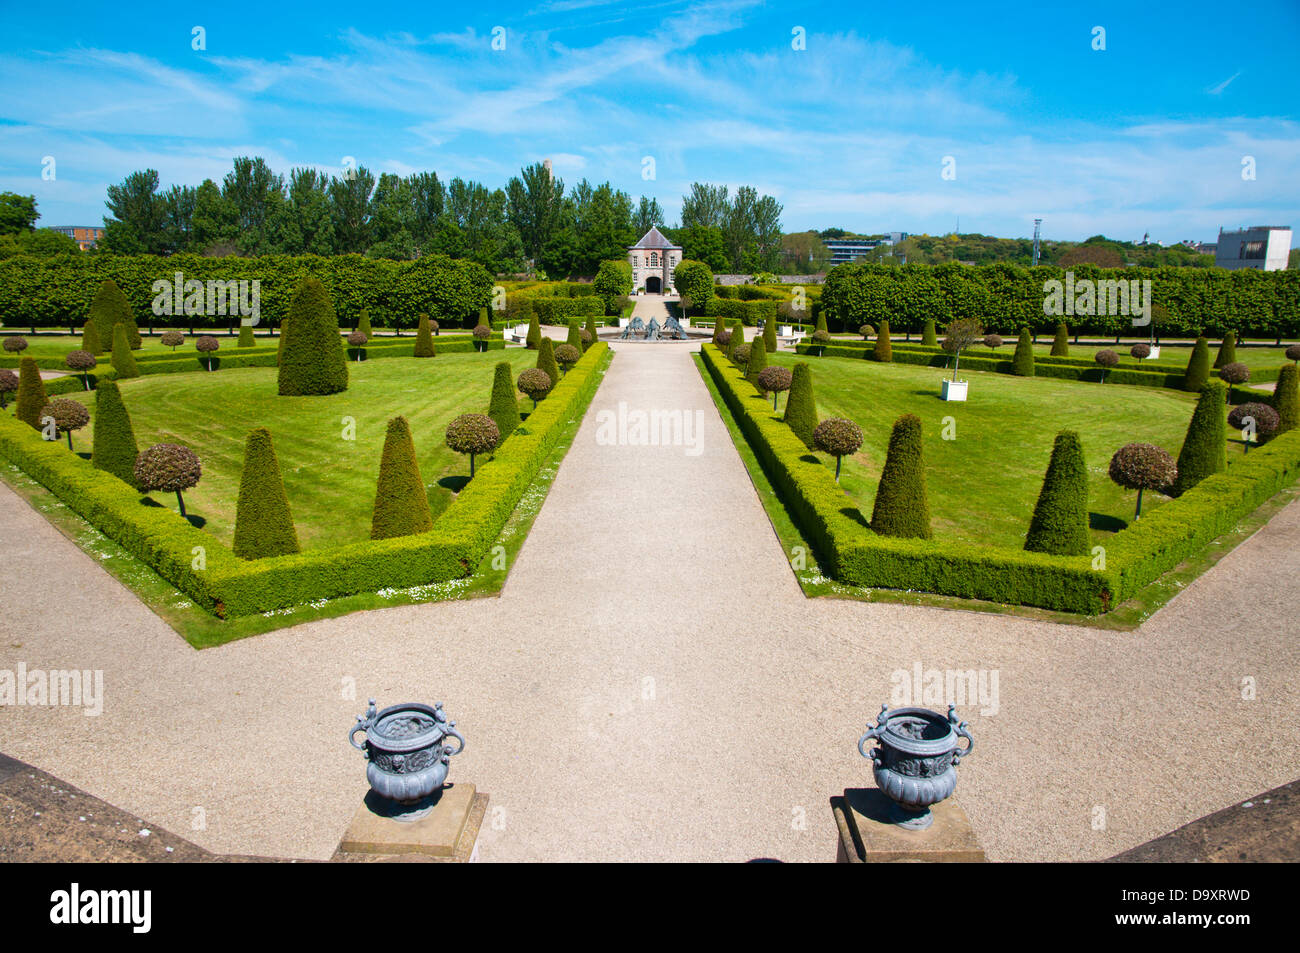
pixel 653 260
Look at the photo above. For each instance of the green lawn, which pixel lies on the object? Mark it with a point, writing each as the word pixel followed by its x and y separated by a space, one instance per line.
pixel 330 481
pixel 983 484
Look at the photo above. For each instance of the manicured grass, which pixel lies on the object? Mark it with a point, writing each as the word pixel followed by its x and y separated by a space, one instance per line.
pixel 983 484
pixel 329 479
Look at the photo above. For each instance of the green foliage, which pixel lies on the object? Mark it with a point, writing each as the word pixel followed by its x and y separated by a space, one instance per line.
pixel 90 339
pixel 1205 448
pixel 109 308
pixel 246 338
pixel 279 348
pixel 1061 343
pixel 1060 521
pixel 575 337
pixel 800 406
pixel 31 393
pixel 694 279
pixel 902 508
pixel 123 360
pixel 737 339
pixel 263 522
pixel 312 361
pixel 928 336
pixel 1023 361
pixel 769 336
pixel 613 280
pixel 504 405
pixel 424 338
pixel 1198 367
pixel 884 349
pixel 114 449
pixel 533 339
pixel 1286 398
pixel 546 360
pixel 401 501
pixel 1227 351
pixel 591 331
pixel 821 322
pixel 363 324
pixel 757 359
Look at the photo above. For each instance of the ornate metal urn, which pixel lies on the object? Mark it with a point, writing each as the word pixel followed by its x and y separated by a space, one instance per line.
pixel 408 748
pixel 916 762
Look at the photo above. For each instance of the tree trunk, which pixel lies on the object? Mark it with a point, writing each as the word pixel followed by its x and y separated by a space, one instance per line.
pixel 1139 509
pixel 180 501
pixel 838 461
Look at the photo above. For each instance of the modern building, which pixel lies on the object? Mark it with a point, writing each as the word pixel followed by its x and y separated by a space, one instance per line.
pixel 653 260
pixel 84 235
pixel 846 250
pixel 1265 247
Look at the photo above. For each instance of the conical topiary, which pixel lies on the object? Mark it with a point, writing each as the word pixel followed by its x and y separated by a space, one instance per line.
pixel 546 360
pixel 401 501
pixel 575 335
pixel 31 393
pixel 424 338
pixel 533 340
pixel 1198 367
pixel 902 508
pixel 114 449
pixel 800 407
pixel 1205 448
pixel 313 361
pixel 928 337
pixel 123 359
pixel 363 325
pixel 769 336
pixel 279 349
pixel 504 405
pixel 1286 398
pixel 884 351
pixel 591 330
pixel 246 336
pixel 719 326
pixel 757 360
pixel 1023 362
pixel 90 342
pixel 1227 350
pixel 1061 343
pixel 737 338
pixel 109 308
pixel 263 522
pixel 1060 521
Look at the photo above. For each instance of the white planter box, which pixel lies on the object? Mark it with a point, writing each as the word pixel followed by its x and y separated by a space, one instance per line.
pixel 1155 353
pixel 623 322
pixel 787 330
pixel 954 390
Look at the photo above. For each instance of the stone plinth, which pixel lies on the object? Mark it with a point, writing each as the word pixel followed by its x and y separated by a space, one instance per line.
pixel 866 835
pixel 445 827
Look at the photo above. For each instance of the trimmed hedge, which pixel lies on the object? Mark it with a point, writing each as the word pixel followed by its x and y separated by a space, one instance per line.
pixel 1135 556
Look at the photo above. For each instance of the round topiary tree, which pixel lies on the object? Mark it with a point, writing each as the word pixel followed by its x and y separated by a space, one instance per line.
pixel 8 384
pixel 424 338
pixel 821 338
pixel 1106 359
pixel 1227 351
pixel 1023 361
pixel 401 501
pixel 1142 466
pixel 928 336
pixel 434 326
pixel 168 468
pixel 1286 398
pixel 263 521
pixel 1061 343
pixel 1198 367
pixel 566 355
pixel 960 335
pixel 246 336
pixel 503 407
pixel 31 393
pixel 740 355
pixel 902 506
pixel 1060 521
pixel 81 362
pixel 992 341
pixel 866 331
pixel 67 416
pixel 312 361
pixel 722 338
pixel 357 342
pixel 481 335
pixel 838 437
pixel 113 446
pixel 1253 419
pixel 15 345
pixel 1140 351
pixel 884 349
pixel 1293 353
pixel 1233 374
pixel 473 434
pixel 774 379
pixel 800 406
pixel 536 383
pixel 207 345
pixel 586 337
pixel 172 338
pixel 90 338
pixel 1205 448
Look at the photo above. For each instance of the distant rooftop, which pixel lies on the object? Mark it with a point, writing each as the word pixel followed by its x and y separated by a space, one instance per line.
pixel 654 239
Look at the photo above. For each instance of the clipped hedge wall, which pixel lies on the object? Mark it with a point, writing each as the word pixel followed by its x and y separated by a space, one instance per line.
pixel 853 554
pixel 231 587
pixel 558 311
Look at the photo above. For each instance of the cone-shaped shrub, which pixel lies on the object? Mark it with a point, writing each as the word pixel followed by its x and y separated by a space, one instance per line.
pixel 1198 367
pixel 800 407
pixel 246 336
pixel 31 393
pixel 928 336
pixel 757 360
pixel 313 361
pixel 821 321
pixel 90 339
pixel 109 308
pixel 1023 362
pixel 401 503
pixel 1061 343
pixel 769 336
pixel 546 360
pixel 114 449
pixel 1060 521
pixel 279 349
pixel 424 338
pixel 737 338
pixel 1205 448
pixel 363 325
pixel 719 328
pixel 533 340
pixel 591 331
pixel 123 359
pixel 263 523
pixel 902 508
pixel 884 351
pixel 574 337
pixel 1227 351
pixel 504 406
pixel 1286 398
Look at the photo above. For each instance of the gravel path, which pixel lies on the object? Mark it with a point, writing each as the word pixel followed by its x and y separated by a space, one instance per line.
pixel 651 684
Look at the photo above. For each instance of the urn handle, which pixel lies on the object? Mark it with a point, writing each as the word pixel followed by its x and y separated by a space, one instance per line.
pixel 364 722
pixel 451 732
pixel 961 729
pixel 873 732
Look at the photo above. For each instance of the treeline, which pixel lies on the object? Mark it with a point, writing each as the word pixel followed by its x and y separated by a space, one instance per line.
pixel 990 250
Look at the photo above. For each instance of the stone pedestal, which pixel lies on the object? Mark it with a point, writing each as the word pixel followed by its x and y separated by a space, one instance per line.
pixel 442 828
pixel 866 835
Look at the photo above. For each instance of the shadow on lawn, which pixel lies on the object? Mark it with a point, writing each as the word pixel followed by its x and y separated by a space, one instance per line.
pixel 454 483
pixel 1106 524
pixel 198 522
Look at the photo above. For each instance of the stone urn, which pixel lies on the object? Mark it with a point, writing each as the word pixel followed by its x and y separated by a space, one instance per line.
pixel 407 748
pixel 915 764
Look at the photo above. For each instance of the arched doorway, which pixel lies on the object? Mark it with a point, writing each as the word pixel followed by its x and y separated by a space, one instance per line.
pixel 654 285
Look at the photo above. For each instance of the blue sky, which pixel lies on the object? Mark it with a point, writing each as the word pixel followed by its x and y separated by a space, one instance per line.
pixel 1147 135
